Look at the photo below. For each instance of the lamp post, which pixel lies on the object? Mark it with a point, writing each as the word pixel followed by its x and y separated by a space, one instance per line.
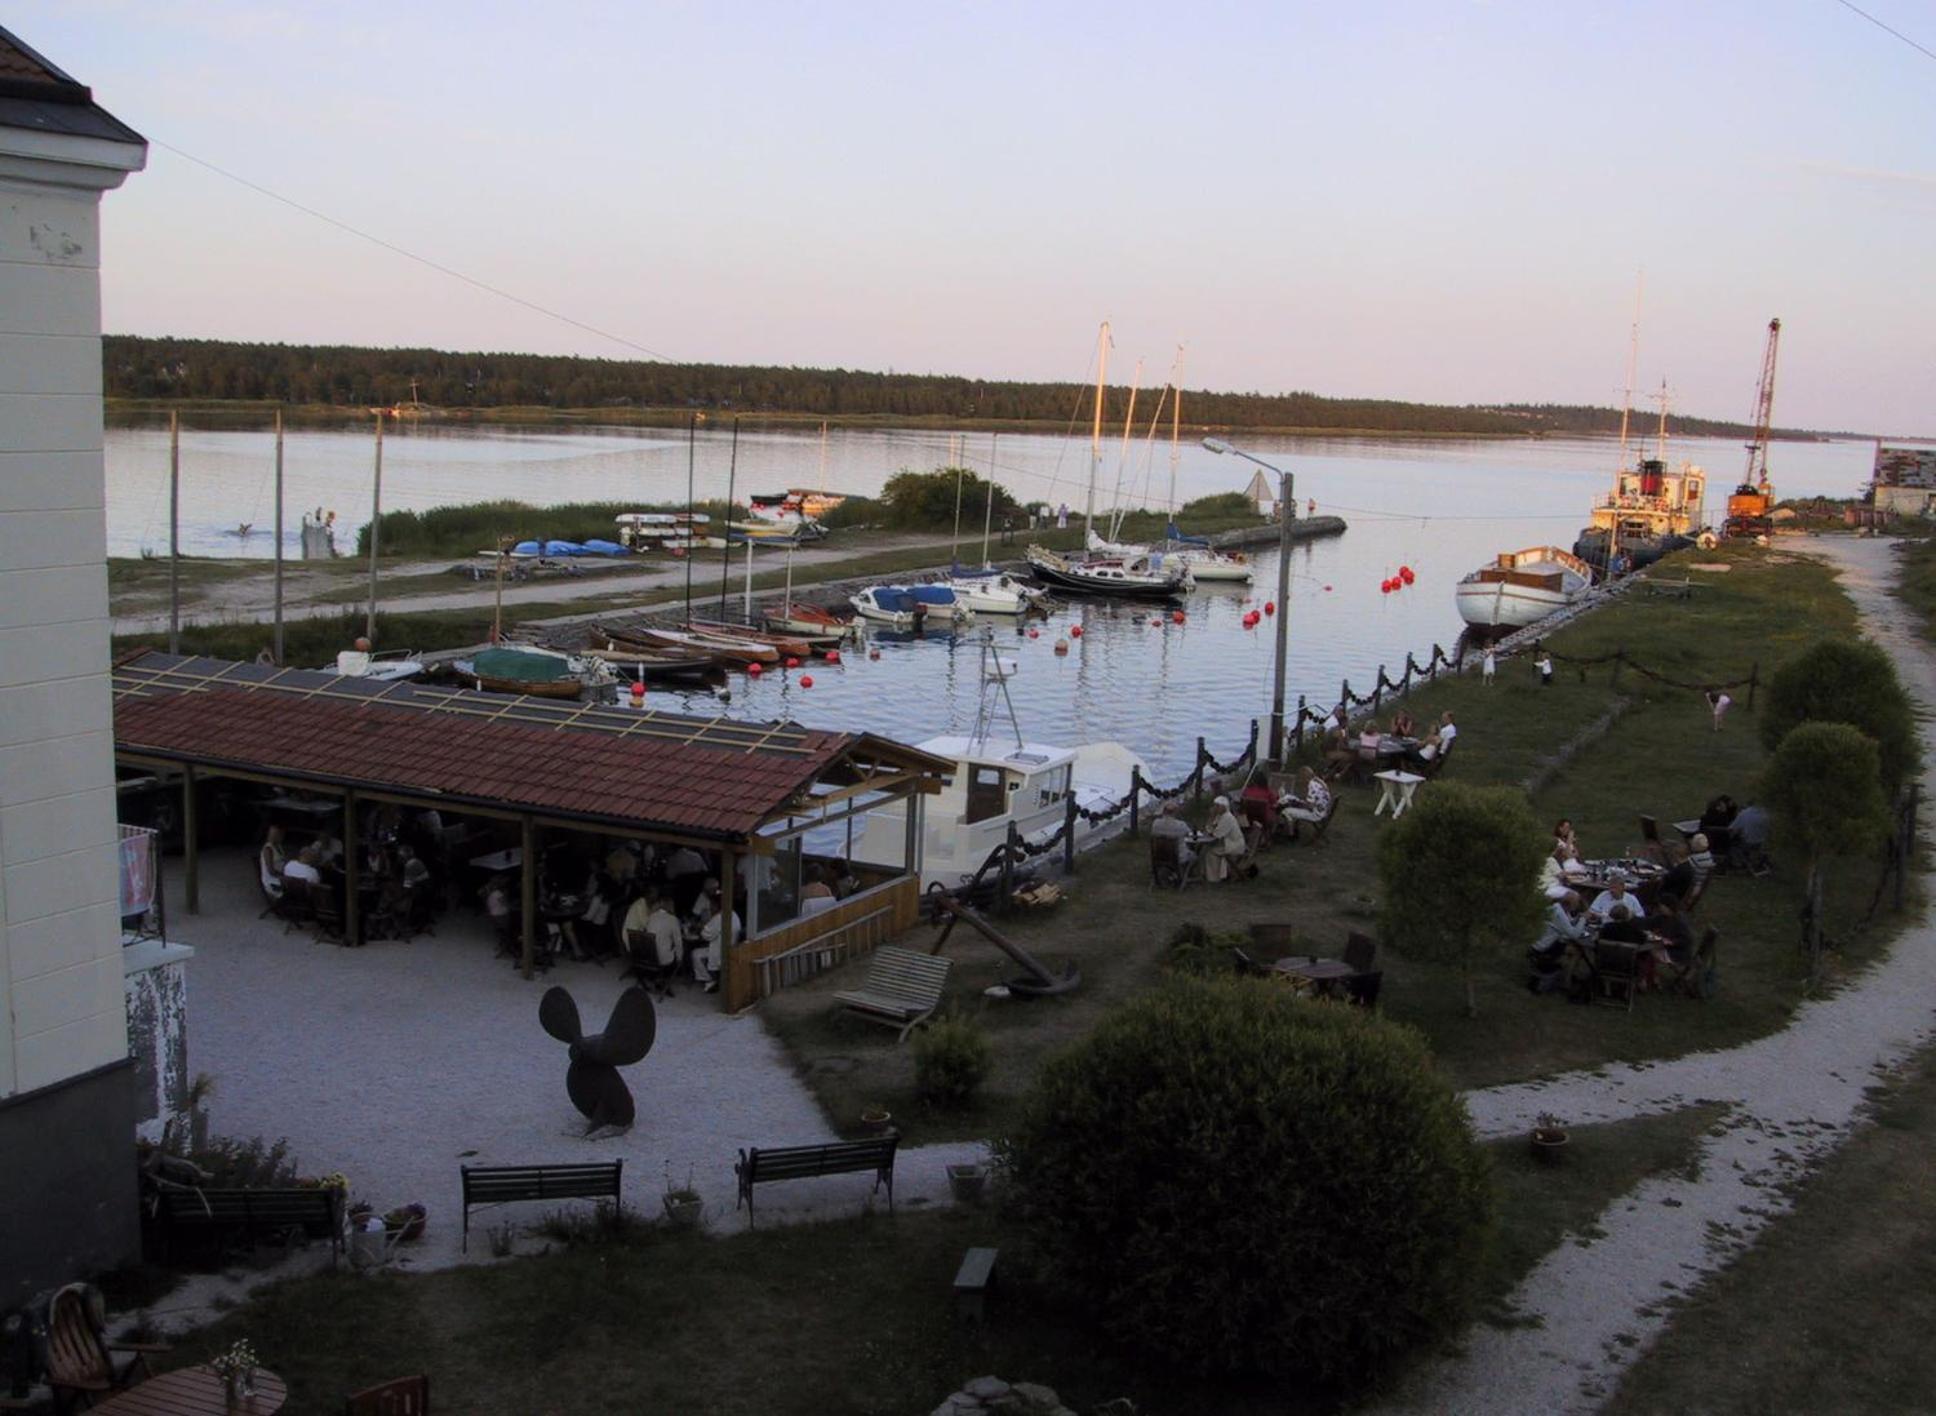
pixel 1285 501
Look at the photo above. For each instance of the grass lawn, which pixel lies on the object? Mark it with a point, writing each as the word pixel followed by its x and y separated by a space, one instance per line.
pixel 1832 1308
pixel 852 1316
pixel 1661 758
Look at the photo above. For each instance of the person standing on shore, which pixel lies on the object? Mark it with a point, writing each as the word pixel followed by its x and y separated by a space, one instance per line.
pixel 1545 667
pixel 1062 517
pixel 1491 667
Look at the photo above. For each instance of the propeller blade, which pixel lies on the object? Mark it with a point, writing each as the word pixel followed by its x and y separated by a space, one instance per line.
pixel 600 1094
pixel 558 1015
pixel 630 1032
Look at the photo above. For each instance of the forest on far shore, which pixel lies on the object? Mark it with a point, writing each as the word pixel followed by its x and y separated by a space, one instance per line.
pixel 141 368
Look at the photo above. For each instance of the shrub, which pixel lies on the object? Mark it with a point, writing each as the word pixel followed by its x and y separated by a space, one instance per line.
pixel 1846 681
pixel 1237 1179
pixel 925 501
pixel 1824 790
pixel 951 1061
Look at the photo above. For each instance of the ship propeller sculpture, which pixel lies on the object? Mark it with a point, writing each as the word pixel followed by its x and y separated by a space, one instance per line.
pixel 593 1080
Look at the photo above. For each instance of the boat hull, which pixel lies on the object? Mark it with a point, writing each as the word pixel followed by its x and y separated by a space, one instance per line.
pixel 553 688
pixel 1501 607
pixel 1642 550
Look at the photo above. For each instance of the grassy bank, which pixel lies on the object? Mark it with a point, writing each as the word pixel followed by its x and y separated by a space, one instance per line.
pixel 1661 759
pixel 1916 585
pixel 1831 1309
pixel 852 1316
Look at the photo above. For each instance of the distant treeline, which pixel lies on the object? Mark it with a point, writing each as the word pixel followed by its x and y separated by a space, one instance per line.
pixel 204 370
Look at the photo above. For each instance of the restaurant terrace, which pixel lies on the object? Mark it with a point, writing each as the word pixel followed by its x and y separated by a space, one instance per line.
pixel 759 798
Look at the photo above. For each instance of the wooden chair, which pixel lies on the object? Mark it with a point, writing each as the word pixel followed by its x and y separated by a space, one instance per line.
pixel 326 914
pixel 1316 828
pixel 1247 967
pixel 644 964
pixel 1273 938
pixel 292 906
pixel 1692 978
pixel 1616 973
pixel 1362 989
pixel 1168 869
pixel 81 1363
pixel 1436 763
pixel 1360 951
pixel 406 1396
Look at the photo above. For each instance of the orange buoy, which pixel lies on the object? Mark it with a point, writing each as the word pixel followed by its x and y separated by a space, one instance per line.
pixel 1061 646
pixel 1405 574
pixel 1155 623
pixel 1075 631
pixel 873 653
pixel 1270 607
pixel 1177 617
pixel 792 663
pixel 754 669
pixel 1327 589
pixel 1035 634
pixel 806 680
pixel 638 689
pixel 833 656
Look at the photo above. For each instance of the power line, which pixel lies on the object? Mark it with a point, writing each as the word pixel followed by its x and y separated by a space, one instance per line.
pixel 1887 29
pixel 395 249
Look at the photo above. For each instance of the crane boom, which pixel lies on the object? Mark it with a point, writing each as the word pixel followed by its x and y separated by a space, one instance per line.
pixel 1764 414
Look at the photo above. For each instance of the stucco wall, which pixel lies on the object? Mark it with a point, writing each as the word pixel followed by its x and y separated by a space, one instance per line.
pixel 157 993
pixel 62 1011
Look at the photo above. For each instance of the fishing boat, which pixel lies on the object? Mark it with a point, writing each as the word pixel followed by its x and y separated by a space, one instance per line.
pixel 1000 780
pixel 1520 588
pixel 640 662
pixel 906 606
pixel 1136 577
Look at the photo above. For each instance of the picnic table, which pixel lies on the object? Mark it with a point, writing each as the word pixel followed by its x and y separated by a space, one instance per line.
pixel 196 1391
pixel 508 859
pixel 1396 790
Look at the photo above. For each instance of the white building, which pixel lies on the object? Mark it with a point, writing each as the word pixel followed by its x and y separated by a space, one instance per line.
pixel 67 1101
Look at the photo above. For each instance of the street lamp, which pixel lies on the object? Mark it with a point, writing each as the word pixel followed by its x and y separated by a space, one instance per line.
pixel 1284 503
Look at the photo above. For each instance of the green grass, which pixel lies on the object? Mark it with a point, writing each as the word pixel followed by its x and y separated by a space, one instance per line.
pixel 1661 759
pixel 849 1316
pixel 1832 1308
pixel 1916 583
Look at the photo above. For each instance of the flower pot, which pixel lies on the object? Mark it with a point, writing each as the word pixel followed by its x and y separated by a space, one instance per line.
pixel 875 1122
pixel 967 1182
pixel 684 1211
pixel 1549 1144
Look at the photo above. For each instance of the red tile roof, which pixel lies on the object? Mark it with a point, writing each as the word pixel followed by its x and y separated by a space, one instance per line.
pixel 448 745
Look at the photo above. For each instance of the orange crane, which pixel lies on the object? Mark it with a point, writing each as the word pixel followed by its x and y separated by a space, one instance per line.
pixel 1754 499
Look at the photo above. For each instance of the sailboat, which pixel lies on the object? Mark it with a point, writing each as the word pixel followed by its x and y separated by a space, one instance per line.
pixel 990 590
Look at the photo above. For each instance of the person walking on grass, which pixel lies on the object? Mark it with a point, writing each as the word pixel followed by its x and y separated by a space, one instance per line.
pixel 1490 668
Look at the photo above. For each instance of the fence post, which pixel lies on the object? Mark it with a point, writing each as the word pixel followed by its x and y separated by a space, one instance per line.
pixel 1255 760
pixel 1196 777
pixel 1135 791
pixel 1297 734
pixel 1344 700
pixel 1754 677
pixel 1069 834
pixel 1009 844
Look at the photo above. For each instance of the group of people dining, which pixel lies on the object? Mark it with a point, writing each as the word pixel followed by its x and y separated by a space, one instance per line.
pixel 1646 902
pixel 399 894
pixel 1398 741
pixel 1232 833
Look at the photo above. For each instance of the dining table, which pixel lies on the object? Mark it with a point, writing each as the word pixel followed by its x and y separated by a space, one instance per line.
pixel 196 1391
pixel 1323 975
pixel 1396 790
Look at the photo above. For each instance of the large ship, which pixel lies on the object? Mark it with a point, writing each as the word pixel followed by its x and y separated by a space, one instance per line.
pixel 1650 512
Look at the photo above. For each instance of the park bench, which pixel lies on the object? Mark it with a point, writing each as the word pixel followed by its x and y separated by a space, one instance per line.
pixel 972 1281
pixel 759 1166
pixel 251 1215
pixel 902 988
pixel 510 1184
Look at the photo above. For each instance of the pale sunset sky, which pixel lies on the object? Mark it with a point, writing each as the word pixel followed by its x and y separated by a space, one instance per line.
pixel 1420 199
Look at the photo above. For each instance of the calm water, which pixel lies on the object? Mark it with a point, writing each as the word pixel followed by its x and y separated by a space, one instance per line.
pixel 1439 507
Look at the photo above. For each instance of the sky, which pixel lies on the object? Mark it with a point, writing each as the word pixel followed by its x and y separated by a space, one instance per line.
pixel 1417 199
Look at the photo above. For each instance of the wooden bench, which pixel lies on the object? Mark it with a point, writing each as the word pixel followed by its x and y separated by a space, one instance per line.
pixel 757 1167
pixel 902 988
pixel 509 1184
pixel 972 1281
pixel 255 1215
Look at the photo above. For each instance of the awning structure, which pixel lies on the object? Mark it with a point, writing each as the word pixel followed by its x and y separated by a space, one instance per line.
pixel 708 782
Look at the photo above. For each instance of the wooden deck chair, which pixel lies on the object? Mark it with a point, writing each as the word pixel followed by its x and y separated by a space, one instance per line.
pixel 81 1363
pixel 902 988
pixel 1168 869
pixel 1360 951
pixel 1696 977
pixel 406 1396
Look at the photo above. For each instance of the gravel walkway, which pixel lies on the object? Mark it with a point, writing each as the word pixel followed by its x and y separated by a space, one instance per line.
pixel 1796 1096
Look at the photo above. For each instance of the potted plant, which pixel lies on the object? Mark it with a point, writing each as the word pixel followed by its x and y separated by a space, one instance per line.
pixel 968 1181
pixel 406 1222
pixel 875 1118
pixel 236 1367
pixel 1549 1138
pixel 683 1207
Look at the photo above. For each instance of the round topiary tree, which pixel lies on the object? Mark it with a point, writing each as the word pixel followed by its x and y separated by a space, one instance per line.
pixel 1825 791
pixel 1238 1179
pixel 1846 681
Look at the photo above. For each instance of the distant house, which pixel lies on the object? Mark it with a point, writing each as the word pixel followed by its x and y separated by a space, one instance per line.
pixel 1905 480
pixel 67 1094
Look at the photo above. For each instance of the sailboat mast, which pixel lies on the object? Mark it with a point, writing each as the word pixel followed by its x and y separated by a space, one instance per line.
pixel 988 499
pixel 1176 426
pixel 1122 459
pixel 1095 436
pixel 1633 359
pixel 954 546
pixel 1660 438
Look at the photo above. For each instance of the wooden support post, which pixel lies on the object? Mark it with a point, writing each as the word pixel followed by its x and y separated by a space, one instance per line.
pixel 1009 844
pixel 1256 758
pixel 191 846
pixel 1069 833
pixel 1135 792
pixel 729 988
pixel 352 873
pixel 528 897
pixel 1197 776
pixel 1297 733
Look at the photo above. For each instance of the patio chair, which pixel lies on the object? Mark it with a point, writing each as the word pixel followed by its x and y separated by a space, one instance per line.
pixel 1273 938
pixel 644 964
pixel 292 906
pixel 1361 990
pixel 405 1396
pixel 326 915
pixel 1435 764
pixel 1696 977
pixel 1168 869
pixel 81 1363
pixel 1616 973
pixel 1360 951
pixel 1247 967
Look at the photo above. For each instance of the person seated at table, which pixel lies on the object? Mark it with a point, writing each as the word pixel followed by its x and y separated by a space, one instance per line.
pixel 1748 839
pixel 304 867
pixel 1680 875
pixel 497 905
pixel 1717 820
pixel 1554 870
pixel 652 934
pixel 1671 926
pixel 1564 926
pixel 1339 752
pixel 270 863
pixel 685 876
pixel 1439 740
pixel 1700 858
pixel 706 961
pixel 1257 805
pixel 1308 798
pixel 1170 825
pixel 1614 897
pixel 1563 831
pixel 1623 924
pixel 1226 841
pixel 1403 724
pixel 816 894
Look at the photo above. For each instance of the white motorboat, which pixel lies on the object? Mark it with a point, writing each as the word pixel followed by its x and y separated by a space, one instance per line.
pixel 396 664
pixel 995 592
pixel 905 606
pixel 999 780
pixel 1521 587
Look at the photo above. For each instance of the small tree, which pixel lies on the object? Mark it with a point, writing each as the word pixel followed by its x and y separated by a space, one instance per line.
pixel 1846 681
pixel 1824 787
pixel 926 500
pixel 1461 870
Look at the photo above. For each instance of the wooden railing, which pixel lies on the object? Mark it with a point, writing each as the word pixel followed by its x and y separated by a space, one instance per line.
pixel 802 948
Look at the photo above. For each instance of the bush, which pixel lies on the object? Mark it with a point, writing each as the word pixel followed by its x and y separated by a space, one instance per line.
pixel 1196 951
pixel 1846 681
pixel 951 1061
pixel 1237 1179
pixel 925 501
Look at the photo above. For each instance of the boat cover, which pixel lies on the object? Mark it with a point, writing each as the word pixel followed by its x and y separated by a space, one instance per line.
pixel 1177 536
pixel 893 598
pixel 563 548
pixel 604 548
pixel 931 594
pixel 526 548
pixel 518 665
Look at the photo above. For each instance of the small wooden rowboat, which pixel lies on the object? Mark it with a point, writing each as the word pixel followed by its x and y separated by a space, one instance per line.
pixel 539 688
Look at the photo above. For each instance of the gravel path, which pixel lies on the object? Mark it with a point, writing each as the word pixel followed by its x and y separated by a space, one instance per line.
pixel 1795 1097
